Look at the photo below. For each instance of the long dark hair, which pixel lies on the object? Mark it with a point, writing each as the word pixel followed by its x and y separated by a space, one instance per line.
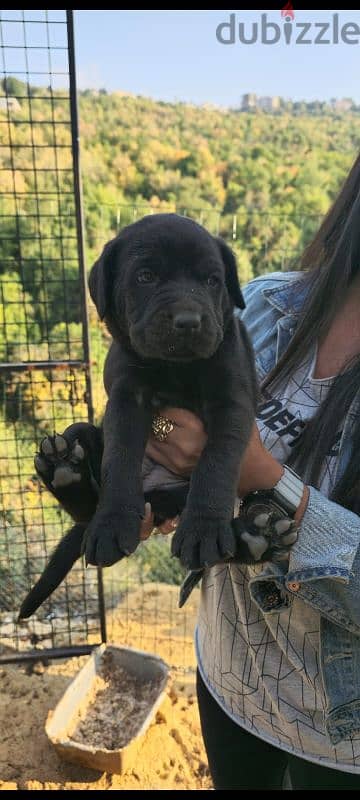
pixel 330 263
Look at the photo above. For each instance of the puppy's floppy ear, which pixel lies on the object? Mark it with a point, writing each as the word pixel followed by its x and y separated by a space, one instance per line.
pixel 101 278
pixel 231 274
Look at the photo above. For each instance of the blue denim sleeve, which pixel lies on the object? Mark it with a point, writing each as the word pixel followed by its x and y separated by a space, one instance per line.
pixel 324 564
pixel 323 569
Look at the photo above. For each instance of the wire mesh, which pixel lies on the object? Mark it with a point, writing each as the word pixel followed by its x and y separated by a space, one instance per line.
pixel 42 325
pixel 263 240
pixel 44 374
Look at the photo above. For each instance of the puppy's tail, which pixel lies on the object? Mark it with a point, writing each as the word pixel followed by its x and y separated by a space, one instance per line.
pixel 61 561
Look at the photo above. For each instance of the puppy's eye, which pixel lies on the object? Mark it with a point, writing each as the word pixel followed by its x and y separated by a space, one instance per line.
pixel 213 280
pixel 145 276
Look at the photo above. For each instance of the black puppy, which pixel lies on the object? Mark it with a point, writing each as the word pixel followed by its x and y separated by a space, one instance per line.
pixel 167 290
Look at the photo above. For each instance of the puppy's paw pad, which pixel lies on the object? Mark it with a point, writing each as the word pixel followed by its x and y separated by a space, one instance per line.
pixel 60 445
pixel 65 476
pixel 257 545
pixel 287 533
pixel 60 463
pixel 264 538
pixel 282 526
pixel 77 453
pixel 290 538
pixel 40 465
pixel 46 447
pixel 262 520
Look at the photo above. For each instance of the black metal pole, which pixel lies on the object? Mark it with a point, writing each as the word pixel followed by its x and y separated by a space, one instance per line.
pixel 81 249
pixel 50 652
pixel 29 366
pixel 75 141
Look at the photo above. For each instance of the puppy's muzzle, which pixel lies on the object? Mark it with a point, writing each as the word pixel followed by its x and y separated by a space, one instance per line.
pixel 175 331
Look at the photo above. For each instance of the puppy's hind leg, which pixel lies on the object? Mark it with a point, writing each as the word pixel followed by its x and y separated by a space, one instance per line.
pixel 69 465
pixel 61 561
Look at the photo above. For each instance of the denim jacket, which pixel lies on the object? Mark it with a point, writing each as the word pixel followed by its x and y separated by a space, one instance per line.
pixel 324 566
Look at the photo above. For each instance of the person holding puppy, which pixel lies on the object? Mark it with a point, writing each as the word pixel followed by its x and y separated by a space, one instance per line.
pixel 278 645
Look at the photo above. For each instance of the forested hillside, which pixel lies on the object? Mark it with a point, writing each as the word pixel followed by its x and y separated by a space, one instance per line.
pixel 262 181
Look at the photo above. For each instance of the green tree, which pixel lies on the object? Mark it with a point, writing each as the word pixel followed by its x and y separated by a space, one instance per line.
pixel 13 87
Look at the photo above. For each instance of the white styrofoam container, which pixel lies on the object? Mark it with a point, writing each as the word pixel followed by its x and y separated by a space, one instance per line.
pixel 145 666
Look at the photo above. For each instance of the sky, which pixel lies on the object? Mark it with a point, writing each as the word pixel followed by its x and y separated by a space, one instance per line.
pixel 175 55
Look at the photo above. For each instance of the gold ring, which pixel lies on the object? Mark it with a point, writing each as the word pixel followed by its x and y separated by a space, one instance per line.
pixel 161 427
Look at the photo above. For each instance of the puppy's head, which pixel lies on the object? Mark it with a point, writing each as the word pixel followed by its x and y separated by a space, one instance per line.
pixel 168 287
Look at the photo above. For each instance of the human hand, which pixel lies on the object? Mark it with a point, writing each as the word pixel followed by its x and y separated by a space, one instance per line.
pixel 179 453
pixel 147 525
pixel 182 448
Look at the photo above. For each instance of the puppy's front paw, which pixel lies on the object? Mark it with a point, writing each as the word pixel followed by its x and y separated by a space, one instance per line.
pixel 202 541
pixel 110 536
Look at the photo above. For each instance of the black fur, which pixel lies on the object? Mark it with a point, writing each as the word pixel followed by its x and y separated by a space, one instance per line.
pixel 167 291
pixel 64 556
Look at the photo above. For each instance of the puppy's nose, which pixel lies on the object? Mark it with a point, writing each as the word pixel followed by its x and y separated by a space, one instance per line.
pixel 187 321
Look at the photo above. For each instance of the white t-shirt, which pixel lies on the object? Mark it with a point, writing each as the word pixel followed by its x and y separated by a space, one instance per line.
pixel 264 669
pixel 282 418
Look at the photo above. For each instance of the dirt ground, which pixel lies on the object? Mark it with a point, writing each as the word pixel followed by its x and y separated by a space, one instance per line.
pixel 172 754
